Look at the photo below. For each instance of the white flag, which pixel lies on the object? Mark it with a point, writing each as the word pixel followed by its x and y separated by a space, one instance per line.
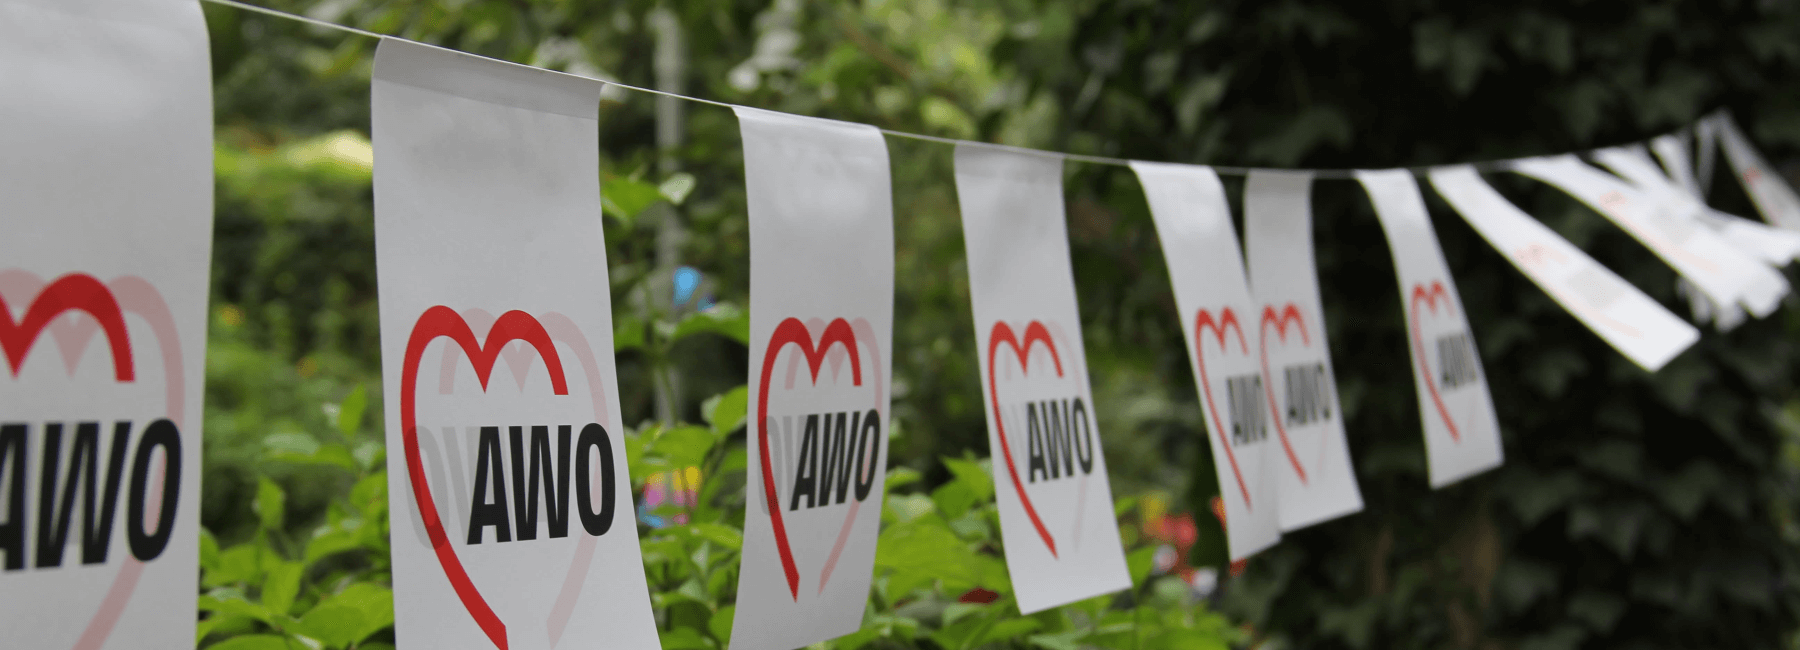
pixel 1193 221
pixel 1672 151
pixel 1317 479
pixel 1771 194
pixel 821 332
pixel 106 192
pixel 1724 274
pixel 1771 245
pixel 1633 323
pixel 511 508
pixel 1056 517
pixel 1462 438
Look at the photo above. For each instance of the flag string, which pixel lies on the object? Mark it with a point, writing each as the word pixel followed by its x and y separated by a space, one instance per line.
pixel 1346 174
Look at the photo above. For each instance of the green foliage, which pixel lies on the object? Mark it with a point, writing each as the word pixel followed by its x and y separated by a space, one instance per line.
pixel 935 548
pixel 1634 510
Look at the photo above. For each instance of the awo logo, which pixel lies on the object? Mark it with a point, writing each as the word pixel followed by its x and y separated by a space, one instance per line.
pixel 1457 364
pixel 1243 388
pixel 1060 447
pixel 550 469
pixel 1305 397
pixel 819 438
pixel 114 466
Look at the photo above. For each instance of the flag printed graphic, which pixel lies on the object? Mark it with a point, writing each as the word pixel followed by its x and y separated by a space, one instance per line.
pixel 1462 436
pixel 1050 481
pixel 1317 481
pixel 821 332
pixel 1633 323
pixel 510 502
pixel 1193 221
pixel 107 199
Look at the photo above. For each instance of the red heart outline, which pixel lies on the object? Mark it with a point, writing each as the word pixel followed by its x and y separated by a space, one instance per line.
pixel 1430 297
pixel 72 292
pixel 1203 321
pixel 445 322
pixel 1035 332
pixel 102 302
pixel 793 331
pixel 1289 314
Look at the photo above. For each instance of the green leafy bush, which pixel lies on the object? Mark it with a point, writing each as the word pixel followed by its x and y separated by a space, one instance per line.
pixel 1634 510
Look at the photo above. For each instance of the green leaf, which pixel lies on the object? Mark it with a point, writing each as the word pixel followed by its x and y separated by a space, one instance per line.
pixel 350 616
pixel 625 198
pixel 1069 640
pixel 685 638
pixel 720 623
pixel 232 602
pixel 725 412
pixel 332 541
pixel 724 319
pixel 677 187
pixel 350 411
pixel 683 446
pixel 333 455
pixel 628 332
pixel 270 503
pixel 1009 629
pixel 720 534
pixel 209 551
pixel 900 477
pixel 281 586
pixel 1140 562
pixel 251 642
pixel 974 475
pixel 953 499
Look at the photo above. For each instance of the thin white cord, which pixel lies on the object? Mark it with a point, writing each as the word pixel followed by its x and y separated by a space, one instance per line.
pixel 1490 166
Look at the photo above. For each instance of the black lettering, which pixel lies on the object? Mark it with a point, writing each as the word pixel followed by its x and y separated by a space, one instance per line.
pixel 1305 387
pixel 806 466
pixel 485 512
pixel 1084 441
pixel 595 523
pixel 554 479
pixel 831 453
pixel 53 522
pixel 146 545
pixel 1053 438
pixel 1244 404
pixel 841 457
pixel 1034 446
pixel 1456 358
pixel 868 454
pixel 1065 436
pixel 12 533
pixel 96 533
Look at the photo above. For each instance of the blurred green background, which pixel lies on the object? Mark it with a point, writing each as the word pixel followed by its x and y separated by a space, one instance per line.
pixel 1634 510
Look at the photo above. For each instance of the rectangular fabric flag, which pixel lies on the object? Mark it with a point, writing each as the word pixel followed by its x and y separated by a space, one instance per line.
pixel 1317 480
pixel 821 332
pixel 1056 517
pixel 1772 195
pixel 1771 245
pixel 1633 323
pixel 1761 246
pixel 1193 221
pixel 1723 273
pixel 1672 151
pixel 1462 437
pixel 510 502
pixel 106 203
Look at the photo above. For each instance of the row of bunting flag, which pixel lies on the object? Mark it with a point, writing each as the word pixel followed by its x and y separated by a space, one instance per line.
pixel 510 499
